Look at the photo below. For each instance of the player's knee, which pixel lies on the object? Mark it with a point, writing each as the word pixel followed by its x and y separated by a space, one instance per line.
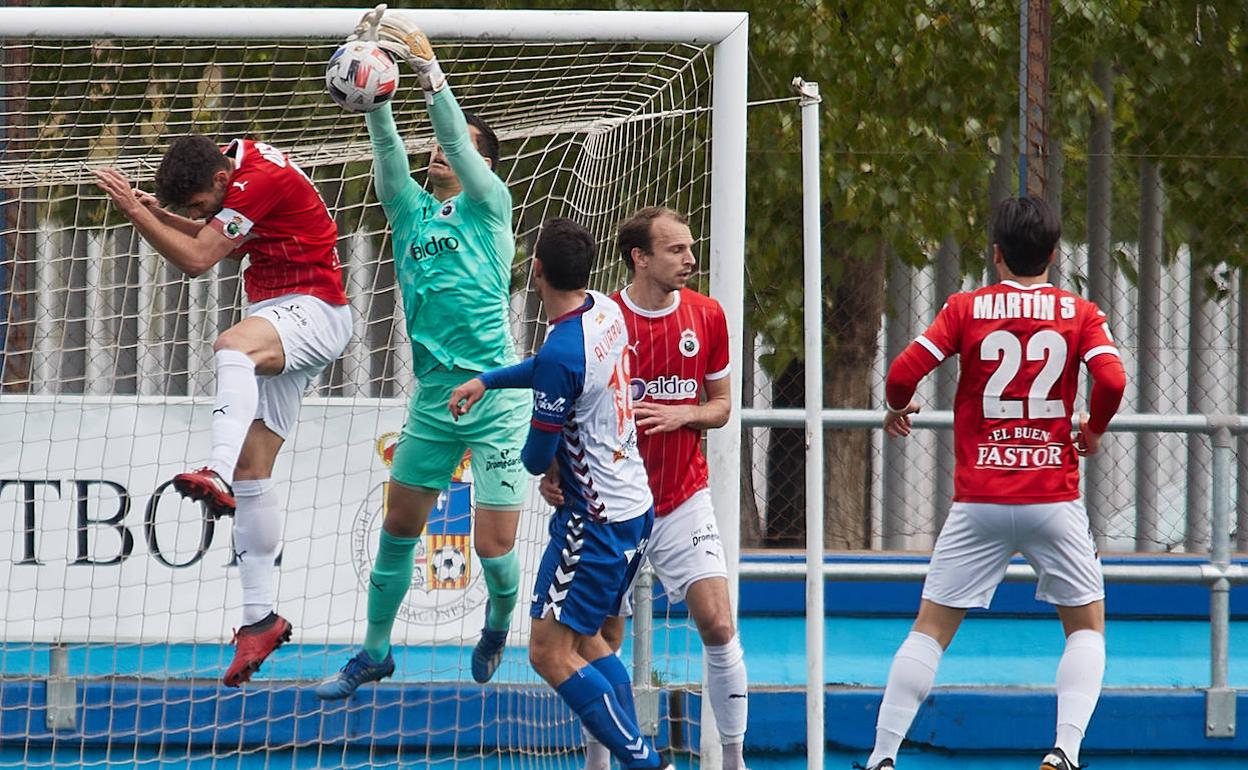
pixel 228 341
pixel 718 631
pixel 491 544
pixel 540 658
pixel 613 635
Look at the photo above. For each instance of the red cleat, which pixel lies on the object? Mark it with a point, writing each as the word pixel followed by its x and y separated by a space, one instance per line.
pixel 254 643
pixel 206 485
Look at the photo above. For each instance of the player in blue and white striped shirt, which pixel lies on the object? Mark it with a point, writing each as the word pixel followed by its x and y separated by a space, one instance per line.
pixel 582 420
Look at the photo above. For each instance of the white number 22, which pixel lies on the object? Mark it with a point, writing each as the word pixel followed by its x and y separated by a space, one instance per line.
pixel 1046 345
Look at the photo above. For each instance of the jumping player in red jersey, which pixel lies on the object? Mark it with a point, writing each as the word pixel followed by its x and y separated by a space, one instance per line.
pixel 679 360
pixel 1021 344
pixel 257 203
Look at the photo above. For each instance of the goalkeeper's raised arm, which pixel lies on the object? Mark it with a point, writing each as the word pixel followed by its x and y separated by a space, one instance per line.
pixel 465 143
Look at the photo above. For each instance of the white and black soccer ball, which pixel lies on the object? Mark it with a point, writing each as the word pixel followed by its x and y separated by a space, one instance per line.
pixel 448 565
pixel 361 76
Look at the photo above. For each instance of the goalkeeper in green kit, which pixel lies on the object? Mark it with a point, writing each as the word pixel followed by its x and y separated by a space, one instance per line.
pixel 453 249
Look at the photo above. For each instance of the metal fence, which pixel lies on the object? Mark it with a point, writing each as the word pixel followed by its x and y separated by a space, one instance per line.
pixel 1118 116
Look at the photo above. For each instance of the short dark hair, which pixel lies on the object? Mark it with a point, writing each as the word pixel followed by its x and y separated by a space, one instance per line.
pixel 1027 231
pixel 489 140
pixel 634 232
pixel 566 251
pixel 187 169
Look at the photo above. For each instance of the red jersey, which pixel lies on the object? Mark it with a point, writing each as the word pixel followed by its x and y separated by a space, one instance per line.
pixel 1020 350
pixel 674 351
pixel 276 216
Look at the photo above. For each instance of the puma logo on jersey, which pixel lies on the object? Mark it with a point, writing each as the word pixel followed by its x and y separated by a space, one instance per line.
pixel 221 410
pixel 242 186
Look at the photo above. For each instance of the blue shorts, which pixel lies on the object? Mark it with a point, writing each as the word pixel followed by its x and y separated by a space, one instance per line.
pixel 588 568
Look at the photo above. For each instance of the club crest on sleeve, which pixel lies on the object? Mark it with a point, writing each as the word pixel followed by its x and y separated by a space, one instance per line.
pixel 234 227
pixel 689 344
pixel 447 209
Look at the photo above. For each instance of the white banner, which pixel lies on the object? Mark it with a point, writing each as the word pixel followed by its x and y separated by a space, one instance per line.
pixel 102 549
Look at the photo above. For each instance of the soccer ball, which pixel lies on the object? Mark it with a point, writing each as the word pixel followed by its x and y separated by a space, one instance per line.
pixel 361 76
pixel 448 565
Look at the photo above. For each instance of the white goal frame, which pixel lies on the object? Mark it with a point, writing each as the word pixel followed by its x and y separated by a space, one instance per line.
pixel 727 32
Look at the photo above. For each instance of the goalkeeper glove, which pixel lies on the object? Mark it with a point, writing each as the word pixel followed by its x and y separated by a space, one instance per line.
pixel 397 34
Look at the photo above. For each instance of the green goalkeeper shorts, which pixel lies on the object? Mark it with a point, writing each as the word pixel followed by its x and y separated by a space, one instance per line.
pixel 432 442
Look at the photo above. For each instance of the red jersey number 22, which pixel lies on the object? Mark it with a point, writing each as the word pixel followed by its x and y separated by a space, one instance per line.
pixel 1046 345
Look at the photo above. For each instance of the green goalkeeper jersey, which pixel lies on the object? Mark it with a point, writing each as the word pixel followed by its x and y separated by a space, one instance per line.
pixel 453 257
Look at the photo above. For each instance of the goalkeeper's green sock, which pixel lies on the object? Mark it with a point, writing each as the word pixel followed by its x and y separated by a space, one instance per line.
pixel 387 586
pixel 502 578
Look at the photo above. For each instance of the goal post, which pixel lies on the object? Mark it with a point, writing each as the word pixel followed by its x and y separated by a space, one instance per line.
pixel 106 378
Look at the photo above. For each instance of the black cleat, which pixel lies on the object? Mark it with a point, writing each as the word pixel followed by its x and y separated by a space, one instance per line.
pixel 1056 759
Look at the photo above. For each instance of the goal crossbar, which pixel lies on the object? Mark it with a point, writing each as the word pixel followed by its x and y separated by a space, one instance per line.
pixel 287 23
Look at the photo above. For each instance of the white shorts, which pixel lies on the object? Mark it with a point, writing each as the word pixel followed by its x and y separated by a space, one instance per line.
pixel 978 540
pixel 684 548
pixel 313 333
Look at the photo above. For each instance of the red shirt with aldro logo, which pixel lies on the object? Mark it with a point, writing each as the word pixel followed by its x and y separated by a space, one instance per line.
pixel 673 353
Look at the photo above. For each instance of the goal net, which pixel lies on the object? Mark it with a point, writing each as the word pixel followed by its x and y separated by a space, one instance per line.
pixel 120 597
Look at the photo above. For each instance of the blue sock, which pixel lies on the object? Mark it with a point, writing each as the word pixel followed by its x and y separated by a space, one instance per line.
pixel 612 669
pixel 592 698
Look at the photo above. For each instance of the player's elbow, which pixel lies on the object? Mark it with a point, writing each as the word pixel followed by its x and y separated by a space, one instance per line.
pixel 536 459
pixel 898 380
pixel 1110 375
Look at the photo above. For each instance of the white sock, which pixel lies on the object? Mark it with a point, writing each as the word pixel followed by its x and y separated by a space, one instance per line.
pixel 597 756
pixel 728 691
pixel 1079 675
pixel 257 538
pixel 909 681
pixel 233 411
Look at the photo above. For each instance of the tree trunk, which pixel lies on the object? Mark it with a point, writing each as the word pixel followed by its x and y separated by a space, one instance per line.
pixel 855 305
pixel 786 465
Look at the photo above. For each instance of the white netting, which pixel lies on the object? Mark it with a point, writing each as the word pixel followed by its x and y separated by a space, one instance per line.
pixel 107 379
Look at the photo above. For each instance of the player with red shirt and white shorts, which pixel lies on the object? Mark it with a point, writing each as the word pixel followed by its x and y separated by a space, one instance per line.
pixel 679 375
pixel 257 203
pixel 1021 345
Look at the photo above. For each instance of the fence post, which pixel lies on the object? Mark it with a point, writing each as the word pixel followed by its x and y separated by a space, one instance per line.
pixel 645 692
pixel 812 284
pixel 1220 698
pixel 897 335
pixel 1148 535
pixel 1098 482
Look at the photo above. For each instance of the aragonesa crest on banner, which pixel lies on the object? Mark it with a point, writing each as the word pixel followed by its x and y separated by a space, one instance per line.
pixel 446 585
